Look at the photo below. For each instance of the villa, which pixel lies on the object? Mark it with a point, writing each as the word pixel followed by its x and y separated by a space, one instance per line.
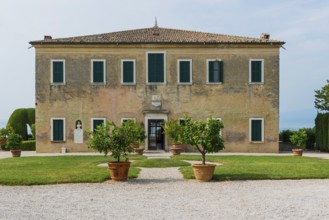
pixel 152 75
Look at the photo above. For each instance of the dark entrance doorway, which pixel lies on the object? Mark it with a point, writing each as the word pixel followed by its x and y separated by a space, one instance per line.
pixel 156 140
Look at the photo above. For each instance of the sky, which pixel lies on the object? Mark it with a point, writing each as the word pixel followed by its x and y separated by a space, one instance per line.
pixel 302 24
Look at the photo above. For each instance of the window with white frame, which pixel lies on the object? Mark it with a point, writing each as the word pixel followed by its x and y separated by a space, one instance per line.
pixel 184 71
pixel 215 71
pixel 217 119
pixel 156 67
pixel 58 129
pixel 256 129
pixel 98 71
pixel 256 71
pixel 95 122
pixel 58 71
pixel 128 72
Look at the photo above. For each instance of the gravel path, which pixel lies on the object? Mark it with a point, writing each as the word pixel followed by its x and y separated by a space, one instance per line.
pixel 162 194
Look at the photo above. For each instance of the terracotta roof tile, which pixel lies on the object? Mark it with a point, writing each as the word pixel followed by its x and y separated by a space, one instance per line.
pixel 157 35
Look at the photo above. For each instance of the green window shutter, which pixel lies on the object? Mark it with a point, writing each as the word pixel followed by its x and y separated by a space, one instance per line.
pixel 216 71
pixel 128 71
pixel 98 71
pixel 256 71
pixel 97 122
pixel 58 71
pixel 184 72
pixel 256 130
pixel 58 130
pixel 156 68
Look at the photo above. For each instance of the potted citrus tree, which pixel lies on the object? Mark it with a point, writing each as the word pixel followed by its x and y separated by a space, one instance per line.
pixel 205 136
pixel 14 143
pixel 299 139
pixel 109 137
pixel 173 130
pixel 138 133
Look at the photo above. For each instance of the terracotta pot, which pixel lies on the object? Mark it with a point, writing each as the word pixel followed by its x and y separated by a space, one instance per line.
pixel 176 151
pixel 134 145
pixel 297 152
pixel 203 172
pixel 119 170
pixel 16 153
pixel 139 151
pixel 177 145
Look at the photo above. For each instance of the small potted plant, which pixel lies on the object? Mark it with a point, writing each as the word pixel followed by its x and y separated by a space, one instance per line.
pixel 173 130
pixel 138 134
pixel 205 136
pixel 14 143
pixel 117 140
pixel 299 139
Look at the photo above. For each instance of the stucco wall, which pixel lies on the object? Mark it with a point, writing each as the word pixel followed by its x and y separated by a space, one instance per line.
pixel 234 101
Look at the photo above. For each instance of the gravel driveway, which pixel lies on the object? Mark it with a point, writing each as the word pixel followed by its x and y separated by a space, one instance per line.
pixel 163 194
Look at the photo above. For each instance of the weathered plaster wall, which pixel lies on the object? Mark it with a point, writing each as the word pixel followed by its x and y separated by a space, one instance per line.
pixel 234 101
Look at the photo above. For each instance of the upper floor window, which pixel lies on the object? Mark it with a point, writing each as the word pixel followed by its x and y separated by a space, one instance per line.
pixel 156 66
pixel 58 129
pixel 98 71
pixel 256 71
pixel 215 71
pixel 58 71
pixel 128 72
pixel 184 69
pixel 256 129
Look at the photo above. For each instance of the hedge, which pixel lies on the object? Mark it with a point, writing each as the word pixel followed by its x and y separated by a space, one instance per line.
pixel 322 131
pixel 19 118
pixel 28 145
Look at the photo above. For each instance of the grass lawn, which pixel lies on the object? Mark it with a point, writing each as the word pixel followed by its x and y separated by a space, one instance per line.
pixel 262 167
pixel 57 169
pixel 159 163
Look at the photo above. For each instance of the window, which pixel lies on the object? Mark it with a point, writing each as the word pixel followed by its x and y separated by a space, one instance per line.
pixel 98 71
pixel 128 72
pixel 256 71
pixel 256 127
pixel 215 71
pixel 96 122
pixel 156 68
pixel 184 69
pixel 217 119
pixel 57 71
pixel 57 129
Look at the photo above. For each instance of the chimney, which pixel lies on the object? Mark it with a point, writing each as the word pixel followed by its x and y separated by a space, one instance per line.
pixel 47 37
pixel 265 36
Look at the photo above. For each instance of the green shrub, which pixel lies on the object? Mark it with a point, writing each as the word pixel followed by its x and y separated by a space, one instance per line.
pixel 20 118
pixel 284 136
pixel 310 142
pixel 322 131
pixel 28 145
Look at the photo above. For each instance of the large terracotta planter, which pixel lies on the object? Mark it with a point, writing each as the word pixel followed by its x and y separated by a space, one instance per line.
pixel 119 170
pixel 203 172
pixel 176 151
pixel 297 152
pixel 16 153
pixel 139 151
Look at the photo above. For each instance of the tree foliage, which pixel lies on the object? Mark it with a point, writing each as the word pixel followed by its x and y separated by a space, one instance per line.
pixel 299 138
pixel 322 98
pixel 204 135
pixel 20 118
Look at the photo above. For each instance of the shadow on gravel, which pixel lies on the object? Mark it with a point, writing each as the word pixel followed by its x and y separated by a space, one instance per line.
pixel 153 181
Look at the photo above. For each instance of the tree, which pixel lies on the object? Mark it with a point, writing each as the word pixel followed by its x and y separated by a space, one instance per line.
pixel 204 135
pixel 20 118
pixel 322 98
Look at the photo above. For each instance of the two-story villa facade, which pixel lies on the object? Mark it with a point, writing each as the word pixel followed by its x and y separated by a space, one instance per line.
pixel 152 75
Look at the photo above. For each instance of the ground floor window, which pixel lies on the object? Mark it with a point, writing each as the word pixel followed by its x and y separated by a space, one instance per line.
pixel 256 127
pixel 58 129
pixel 96 122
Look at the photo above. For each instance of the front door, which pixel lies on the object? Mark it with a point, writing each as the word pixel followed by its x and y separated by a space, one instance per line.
pixel 155 134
